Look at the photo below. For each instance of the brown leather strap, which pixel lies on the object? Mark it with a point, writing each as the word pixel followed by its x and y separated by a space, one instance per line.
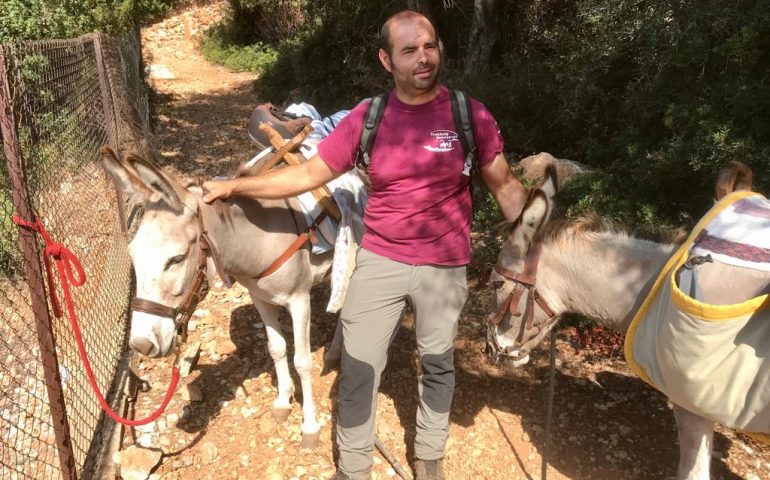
pixel 196 293
pixel 504 272
pixel 500 314
pixel 544 305
pixel 303 237
pixel 516 294
pixel 153 308
pixel 528 280
pixel 532 260
pixel 529 314
pixel 209 249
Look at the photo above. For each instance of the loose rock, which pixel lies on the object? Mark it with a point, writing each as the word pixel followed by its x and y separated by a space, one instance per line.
pixel 137 463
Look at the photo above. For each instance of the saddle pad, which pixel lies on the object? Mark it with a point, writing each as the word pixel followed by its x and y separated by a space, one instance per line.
pixel 702 335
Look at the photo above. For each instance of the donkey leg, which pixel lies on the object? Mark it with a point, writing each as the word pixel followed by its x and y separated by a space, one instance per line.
pixel 299 308
pixel 276 345
pixel 695 439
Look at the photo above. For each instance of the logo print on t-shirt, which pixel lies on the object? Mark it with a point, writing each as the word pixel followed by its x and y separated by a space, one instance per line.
pixel 442 141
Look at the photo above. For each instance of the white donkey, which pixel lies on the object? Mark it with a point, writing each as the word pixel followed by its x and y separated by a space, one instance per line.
pixel 592 269
pixel 247 236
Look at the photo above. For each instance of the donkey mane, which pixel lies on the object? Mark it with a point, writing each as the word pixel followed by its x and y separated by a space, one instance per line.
pixel 594 227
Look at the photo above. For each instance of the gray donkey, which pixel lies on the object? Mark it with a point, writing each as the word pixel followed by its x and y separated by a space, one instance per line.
pixel 245 237
pixel 587 267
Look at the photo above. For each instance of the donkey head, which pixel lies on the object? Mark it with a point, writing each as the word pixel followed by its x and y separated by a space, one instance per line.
pixel 164 250
pixel 507 337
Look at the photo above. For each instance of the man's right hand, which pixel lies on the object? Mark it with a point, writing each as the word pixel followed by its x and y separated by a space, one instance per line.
pixel 283 182
pixel 217 190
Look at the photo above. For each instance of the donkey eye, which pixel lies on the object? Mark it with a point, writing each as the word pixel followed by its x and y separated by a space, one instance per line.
pixel 174 260
pixel 497 284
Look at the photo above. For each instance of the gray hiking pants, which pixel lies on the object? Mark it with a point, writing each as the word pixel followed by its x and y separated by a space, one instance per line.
pixel 374 306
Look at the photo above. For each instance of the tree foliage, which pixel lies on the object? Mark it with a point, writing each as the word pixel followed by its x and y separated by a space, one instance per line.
pixel 38 19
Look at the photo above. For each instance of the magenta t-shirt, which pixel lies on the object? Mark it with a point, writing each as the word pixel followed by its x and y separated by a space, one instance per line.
pixel 419 208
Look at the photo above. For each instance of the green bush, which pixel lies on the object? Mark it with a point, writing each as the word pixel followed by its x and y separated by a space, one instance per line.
pixel 11 261
pixel 658 95
pixel 38 19
pixel 256 57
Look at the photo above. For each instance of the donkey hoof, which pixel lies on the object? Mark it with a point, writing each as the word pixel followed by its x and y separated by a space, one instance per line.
pixel 310 440
pixel 281 414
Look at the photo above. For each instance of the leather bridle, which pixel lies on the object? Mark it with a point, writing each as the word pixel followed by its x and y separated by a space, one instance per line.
pixel 525 284
pixel 198 289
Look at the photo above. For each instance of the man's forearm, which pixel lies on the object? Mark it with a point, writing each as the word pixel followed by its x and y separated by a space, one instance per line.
pixel 280 183
pixel 275 184
pixel 511 197
pixel 506 188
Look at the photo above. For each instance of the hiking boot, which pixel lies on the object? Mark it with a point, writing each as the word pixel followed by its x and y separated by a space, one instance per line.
pixel 429 469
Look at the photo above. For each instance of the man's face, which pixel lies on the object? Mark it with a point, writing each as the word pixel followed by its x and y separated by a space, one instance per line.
pixel 415 58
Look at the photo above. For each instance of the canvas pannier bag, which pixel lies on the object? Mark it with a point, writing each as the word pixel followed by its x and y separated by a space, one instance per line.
pixel 702 335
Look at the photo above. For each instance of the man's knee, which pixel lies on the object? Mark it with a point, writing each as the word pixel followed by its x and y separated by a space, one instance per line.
pixel 438 380
pixel 356 393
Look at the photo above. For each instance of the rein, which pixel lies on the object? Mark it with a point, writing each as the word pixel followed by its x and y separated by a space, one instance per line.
pixel 525 284
pixel 70 271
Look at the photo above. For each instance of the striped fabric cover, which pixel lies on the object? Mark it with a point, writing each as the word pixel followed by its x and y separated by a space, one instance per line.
pixel 739 235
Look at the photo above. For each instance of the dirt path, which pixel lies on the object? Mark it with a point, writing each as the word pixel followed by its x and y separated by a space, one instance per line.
pixel 608 424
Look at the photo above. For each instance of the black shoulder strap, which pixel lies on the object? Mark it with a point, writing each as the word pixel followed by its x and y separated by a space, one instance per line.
pixel 371 123
pixel 461 111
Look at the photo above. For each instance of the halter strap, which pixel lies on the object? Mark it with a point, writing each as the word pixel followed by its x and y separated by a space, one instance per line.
pixel 198 289
pixel 525 282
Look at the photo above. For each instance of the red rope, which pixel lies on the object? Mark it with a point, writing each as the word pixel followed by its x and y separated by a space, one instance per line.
pixel 71 272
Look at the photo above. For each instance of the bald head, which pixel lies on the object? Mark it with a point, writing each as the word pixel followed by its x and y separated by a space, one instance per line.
pixel 404 16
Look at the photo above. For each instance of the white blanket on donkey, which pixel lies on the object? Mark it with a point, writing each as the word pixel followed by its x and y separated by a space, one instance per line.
pixel 350 194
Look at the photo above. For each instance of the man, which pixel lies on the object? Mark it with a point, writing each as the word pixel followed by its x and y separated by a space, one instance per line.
pixel 417 240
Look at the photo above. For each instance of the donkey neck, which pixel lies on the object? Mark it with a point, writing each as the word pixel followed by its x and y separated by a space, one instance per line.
pixel 603 276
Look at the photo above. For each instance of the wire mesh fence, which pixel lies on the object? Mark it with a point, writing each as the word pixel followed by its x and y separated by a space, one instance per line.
pixel 62 100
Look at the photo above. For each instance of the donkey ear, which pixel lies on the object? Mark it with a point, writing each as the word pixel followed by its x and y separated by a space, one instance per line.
pixel 532 217
pixel 732 177
pixel 551 183
pixel 535 213
pixel 161 186
pixel 549 188
pixel 125 179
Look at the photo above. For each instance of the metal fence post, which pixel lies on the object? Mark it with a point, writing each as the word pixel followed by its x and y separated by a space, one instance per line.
pixel 35 278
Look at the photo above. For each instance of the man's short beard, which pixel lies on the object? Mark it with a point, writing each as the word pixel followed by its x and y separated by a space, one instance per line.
pixel 431 82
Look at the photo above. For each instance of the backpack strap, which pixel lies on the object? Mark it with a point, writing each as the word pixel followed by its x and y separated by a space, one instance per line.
pixel 372 122
pixel 461 111
pixel 461 114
